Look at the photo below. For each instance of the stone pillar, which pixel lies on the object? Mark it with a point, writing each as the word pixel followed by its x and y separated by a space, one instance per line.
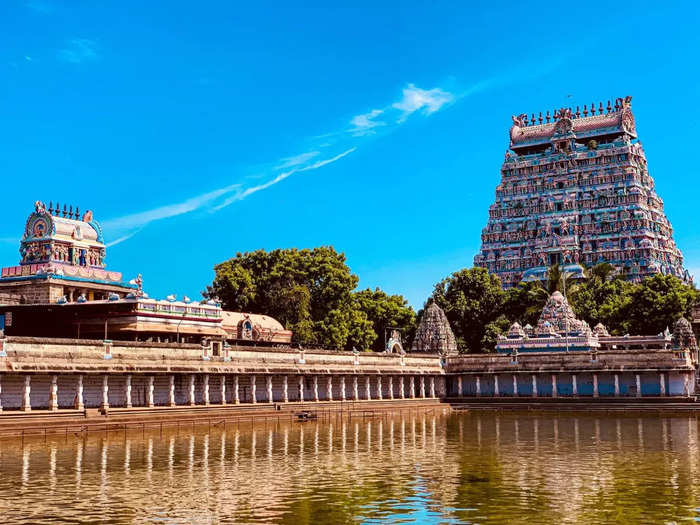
pixel 617 385
pixel 236 390
pixel 127 390
pixel 432 387
pixel 515 385
pixel 149 400
pixel 79 403
pixel 662 384
pixel 379 387
pixel 316 389
pixel 26 394
pixel 285 389
pixel 171 390
pixel 301 389
pixel 422 387
pixel 342 388
pixel 574 386
pixel 191 396
pixel 253 390
pixel 402 393
pixel 270 397
pixel 368 388
pixel 639 385
pixel 355 389
pixel 478 386
pixel 534 385
pixel 412 387
pixel 459 386
pixel 595 385
pixel 222 387
pixel 329 388
pixel 496 392
pixel 391 387
pixel 53 397
pixel 105 392
pixel 554 386
pixel 206 389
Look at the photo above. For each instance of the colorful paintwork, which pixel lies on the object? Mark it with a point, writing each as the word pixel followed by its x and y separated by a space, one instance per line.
pixel 63 244
pixel 575 190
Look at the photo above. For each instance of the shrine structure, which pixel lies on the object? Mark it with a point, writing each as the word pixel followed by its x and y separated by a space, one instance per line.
pixel 575 190
pixel 62 258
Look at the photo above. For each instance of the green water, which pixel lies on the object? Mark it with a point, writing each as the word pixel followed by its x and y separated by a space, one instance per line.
pixel 485 467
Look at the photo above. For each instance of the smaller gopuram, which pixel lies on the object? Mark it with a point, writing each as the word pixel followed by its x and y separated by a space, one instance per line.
pixel 62 256
pixel 557 330
pixel 434 334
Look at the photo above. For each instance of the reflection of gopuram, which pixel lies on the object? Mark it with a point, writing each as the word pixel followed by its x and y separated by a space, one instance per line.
pixel 575 190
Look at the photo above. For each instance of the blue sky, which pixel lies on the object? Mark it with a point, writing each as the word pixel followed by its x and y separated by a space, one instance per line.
pixel 197 130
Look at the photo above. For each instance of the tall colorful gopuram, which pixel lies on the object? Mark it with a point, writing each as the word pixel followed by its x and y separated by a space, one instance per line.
pixel 575 191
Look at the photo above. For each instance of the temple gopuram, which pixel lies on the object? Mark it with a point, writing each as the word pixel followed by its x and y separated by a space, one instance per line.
pixel 575 191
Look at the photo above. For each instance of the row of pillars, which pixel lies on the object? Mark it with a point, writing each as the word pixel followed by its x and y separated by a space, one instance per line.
pixel 497 393
pixel 79 390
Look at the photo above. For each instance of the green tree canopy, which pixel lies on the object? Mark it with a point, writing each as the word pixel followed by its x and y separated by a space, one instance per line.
pixel 387 311
pixel 312 293
pixel 471 299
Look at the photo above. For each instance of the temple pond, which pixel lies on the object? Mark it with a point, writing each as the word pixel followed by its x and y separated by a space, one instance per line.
pixel 479 467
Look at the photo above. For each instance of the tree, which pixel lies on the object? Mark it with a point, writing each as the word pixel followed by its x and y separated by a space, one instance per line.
pixel 311 292
pixel 471 299
pixel 524 302
pixel 657 303
pixel 387 311
pixel 308 291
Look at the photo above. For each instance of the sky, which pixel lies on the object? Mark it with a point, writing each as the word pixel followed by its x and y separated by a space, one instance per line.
pixel 196 130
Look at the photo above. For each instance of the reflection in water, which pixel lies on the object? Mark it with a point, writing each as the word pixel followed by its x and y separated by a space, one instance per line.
pixel 423 467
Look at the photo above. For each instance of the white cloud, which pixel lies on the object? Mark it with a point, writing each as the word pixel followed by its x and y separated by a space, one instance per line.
pixel 79 50
pixel 142 219
pixel 130 225
pixel 414 100
pixel 364 124
pixel 296 160
pixel 243 193
pixel 428 101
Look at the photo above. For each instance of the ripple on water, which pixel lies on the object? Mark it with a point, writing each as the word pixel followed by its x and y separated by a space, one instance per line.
pixel 420 468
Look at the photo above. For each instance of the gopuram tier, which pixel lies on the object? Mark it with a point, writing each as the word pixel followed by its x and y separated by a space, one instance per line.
pixel 575 191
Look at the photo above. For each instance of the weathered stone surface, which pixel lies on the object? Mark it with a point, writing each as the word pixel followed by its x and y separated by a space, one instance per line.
pixel 683 336
pixel 434 334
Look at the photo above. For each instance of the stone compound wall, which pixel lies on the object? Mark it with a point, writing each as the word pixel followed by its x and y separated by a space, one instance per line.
pixel 306 373
pixel 621 373
pixel 242 370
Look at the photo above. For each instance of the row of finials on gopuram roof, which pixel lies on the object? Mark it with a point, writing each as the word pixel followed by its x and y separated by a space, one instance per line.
pixel 575 190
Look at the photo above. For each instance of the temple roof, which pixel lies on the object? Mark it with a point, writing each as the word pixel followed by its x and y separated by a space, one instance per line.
pixel 434 334
pixel 566 122
pixel 231 320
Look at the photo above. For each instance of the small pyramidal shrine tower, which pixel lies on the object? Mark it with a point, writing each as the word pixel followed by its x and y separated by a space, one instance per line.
pixel 434 334
pixel 575 191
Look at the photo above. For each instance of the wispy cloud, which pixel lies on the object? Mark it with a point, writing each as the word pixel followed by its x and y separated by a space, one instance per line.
pixel 364 124
pixel 296 160
pixel 8 240
pixel 79 50
pixel 138 221
pixel 427 101
pixel 242 193
pixel 129 225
